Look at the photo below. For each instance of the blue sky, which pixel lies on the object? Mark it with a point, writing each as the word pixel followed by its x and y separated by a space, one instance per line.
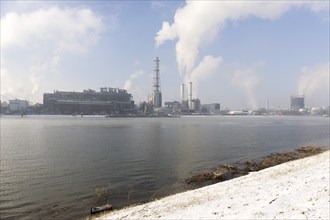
pixel 236 53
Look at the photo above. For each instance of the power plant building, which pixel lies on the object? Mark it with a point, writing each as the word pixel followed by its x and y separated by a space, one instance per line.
pixel 18 106
pixel 107 101
pixel 297 102
pixel 212 108
pixel 196 105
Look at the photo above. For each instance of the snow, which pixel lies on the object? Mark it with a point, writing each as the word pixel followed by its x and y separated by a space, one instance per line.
pixel 294 190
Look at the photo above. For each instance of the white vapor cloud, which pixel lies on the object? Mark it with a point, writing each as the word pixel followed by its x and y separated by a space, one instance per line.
pixel 244 76
pixel 198 23
pixel 205 69
pixel 247 79
pixel 128 83
pixel 313 80
pixel 42 37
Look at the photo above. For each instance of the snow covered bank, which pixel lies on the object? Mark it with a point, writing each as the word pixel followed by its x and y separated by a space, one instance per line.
pixel 294 190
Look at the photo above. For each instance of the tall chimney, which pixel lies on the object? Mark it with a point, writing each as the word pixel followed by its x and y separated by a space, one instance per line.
pixel 190 95
pixel 157 94
pixel 182 92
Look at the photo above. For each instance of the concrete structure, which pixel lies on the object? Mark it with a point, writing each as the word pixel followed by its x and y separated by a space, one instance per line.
pixel 163 111
pixel 213 108
pixel 157 94
pixel 18 106
pixel 185 106
pixel 4 107
pixel 190 104
pixel 297 102
pixel 176 106
pixel 182 93
pixel 107 101
pixel 196 105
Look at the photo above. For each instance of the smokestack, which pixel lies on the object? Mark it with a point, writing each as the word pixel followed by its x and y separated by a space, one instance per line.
pixel 182 92
pixel 190 95
pixel 267 105
pixel 157 94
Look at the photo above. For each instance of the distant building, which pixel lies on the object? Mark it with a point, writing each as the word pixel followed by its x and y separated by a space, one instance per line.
pixel 18 106
pixel 185 106
pixel 107 101
pixel 161 111
pixel 213 108
pixel 196 105
pixel 175 105
pixel 4 107
pixel 317 111
pixel 297 102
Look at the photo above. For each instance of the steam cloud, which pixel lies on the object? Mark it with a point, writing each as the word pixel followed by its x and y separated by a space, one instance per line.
pixel 207 67
pixel 45 35
pixel 314 79
pixel 199 22
pixel 248 80
pixel 135 75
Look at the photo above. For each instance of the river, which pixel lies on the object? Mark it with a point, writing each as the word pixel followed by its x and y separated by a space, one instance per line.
pixel 60 166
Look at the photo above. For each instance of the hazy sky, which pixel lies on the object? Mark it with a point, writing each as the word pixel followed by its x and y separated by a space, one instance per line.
pixel 237 53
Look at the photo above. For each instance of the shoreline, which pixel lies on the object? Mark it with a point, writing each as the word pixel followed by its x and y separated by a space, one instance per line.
pixel 295 189
pixel 226 172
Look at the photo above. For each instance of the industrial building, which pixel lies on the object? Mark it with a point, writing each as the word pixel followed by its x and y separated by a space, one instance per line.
pixel 213 108
pixel 194 104
pixel 107 101
pixel 175 106
pixel 18 106
pixel 297 102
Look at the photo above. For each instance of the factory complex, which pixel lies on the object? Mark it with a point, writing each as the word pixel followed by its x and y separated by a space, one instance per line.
pixel 114 102
pixel 107 100
pixel 118 102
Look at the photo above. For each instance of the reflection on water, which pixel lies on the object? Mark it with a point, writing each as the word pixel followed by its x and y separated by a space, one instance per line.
pixel 59 166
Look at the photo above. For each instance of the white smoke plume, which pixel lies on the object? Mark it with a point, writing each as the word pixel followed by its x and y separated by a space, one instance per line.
pixel 247 79
pixel 314 79
pixel 128 83
pixel 41 38
pixel 132 87
pixel 207 67
pixel 199 22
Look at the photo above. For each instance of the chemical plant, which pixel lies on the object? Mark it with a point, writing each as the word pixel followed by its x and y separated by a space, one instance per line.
pixel 107 101
pixel 187 105
pixel 114 102
pixel 118 102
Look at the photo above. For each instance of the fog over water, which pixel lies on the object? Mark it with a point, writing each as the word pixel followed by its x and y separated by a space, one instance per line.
pixel 61 166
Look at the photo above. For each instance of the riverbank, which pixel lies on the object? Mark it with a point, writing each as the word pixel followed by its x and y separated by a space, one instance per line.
pixel 294 190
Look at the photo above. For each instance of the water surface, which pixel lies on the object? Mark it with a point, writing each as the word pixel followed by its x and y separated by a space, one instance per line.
pixel 60 166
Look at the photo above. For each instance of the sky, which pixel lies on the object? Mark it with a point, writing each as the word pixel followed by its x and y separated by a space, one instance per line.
pixel 236 53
